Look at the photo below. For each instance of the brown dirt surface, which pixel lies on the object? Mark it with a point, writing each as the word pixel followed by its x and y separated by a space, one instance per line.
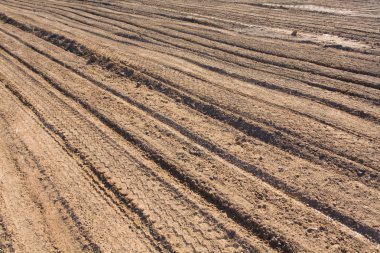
pixel 189 126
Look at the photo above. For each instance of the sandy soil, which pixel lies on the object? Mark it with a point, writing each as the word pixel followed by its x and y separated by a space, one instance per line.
pixel 189 126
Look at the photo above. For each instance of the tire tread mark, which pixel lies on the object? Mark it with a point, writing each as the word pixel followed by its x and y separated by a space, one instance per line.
pixel 262 60
pixel 104 182
pixel 263 175
pixel 314 154
pixel 275 240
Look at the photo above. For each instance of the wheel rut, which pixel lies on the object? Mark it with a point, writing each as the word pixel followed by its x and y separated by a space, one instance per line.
pixel 162 127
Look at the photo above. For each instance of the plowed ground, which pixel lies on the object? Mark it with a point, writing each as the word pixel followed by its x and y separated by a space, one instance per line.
pixel 189 126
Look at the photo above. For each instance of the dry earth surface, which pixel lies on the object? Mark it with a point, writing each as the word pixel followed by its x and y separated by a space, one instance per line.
pixel 189 126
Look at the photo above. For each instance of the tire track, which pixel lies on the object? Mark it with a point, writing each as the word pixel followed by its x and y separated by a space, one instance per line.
pixel 161 159
pixel 67 212
pixel 258 172
pixel 290 91
pixel 253 18
pixel 275 241
pixel 353 111
pixel 278 139
pixel 5 239
pixel 234 44
pixel 99 176
pixel 107 191
pixel 263 20
pixel 222 59
pixel 131 150
pixel 282 64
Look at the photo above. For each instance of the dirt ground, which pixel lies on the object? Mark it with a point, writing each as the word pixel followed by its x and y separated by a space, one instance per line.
pixel 189 126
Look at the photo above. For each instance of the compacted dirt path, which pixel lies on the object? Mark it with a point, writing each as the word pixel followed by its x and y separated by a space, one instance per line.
pixel 189 126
